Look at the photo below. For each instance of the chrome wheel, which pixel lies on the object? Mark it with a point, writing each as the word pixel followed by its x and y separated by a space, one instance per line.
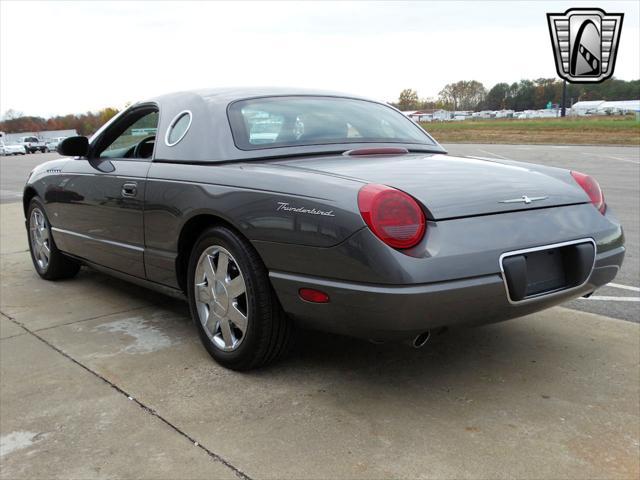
pixel 221 298
pixel 40 241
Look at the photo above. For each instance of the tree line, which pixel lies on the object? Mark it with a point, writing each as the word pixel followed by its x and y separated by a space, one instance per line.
pixel 83 123
pixel 522 95
pixel 462 95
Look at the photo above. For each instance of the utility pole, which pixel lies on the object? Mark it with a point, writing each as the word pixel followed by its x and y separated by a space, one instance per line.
pixel 563 111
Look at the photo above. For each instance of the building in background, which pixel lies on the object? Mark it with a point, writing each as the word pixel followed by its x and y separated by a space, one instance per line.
pixel 589 107
pixel 43 135
pixel 583 108
pixel 619 107
pixel 429 115
pixel 602 107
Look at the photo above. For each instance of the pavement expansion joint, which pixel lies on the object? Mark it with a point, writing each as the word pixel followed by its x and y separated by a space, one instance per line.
pixel 97 317
pixel 14 253
pixel 239 473
pixel 14 336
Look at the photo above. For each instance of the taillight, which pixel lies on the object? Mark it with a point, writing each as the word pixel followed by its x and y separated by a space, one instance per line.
pixel 592 189
pixel 392 215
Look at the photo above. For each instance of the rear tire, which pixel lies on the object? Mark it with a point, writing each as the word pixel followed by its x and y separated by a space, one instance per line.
pixel 49 262
pixel 238 316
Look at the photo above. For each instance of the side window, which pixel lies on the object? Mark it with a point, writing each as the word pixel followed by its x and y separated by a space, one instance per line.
pixel 136 141
pixel 178 128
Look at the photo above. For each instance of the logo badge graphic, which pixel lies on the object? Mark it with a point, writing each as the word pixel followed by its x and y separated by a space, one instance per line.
pixel 284 206
pixel 585 43
pixel 524 199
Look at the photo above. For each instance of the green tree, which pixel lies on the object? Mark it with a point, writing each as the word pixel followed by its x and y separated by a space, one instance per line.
pixel 546 90
pixel 522 95
pixel 498 97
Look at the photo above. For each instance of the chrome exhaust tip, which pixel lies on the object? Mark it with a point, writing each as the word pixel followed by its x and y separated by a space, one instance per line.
pixel 421 339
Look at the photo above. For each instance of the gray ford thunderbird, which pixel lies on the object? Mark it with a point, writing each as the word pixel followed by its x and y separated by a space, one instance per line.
pixel 271 208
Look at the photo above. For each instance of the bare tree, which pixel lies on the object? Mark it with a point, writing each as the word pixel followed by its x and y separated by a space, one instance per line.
pixel 463 95
pixel 12 114
pixel 408 100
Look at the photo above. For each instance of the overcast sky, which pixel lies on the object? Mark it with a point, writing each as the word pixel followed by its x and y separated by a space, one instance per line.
pixel 67 57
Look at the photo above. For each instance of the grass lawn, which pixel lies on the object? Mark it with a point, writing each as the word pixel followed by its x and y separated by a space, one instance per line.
pixel 581 130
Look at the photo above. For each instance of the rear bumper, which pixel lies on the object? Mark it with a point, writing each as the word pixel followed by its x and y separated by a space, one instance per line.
pixel 388 312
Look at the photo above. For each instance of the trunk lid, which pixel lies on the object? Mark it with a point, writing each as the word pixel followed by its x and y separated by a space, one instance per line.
pixel 451 187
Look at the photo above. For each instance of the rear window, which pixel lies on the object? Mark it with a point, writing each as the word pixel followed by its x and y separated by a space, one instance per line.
pixel 296 121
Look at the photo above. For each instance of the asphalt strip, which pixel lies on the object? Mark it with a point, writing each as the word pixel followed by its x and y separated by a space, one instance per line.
pixel 615 299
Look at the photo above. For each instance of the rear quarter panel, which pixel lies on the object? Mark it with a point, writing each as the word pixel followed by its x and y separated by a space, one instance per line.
pixel 248 197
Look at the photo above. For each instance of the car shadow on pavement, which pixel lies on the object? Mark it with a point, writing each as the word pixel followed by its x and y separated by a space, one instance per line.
pixel 517 343
pixel 456 351
pixel 520 344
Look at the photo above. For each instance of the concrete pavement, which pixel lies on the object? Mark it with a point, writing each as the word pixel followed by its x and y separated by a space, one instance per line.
pixel 554 395
pixel 60 421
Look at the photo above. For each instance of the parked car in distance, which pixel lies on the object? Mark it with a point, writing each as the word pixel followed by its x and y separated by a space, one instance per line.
pixel 52 143
pixel 33 144
pixel 7 148
pixel 269 208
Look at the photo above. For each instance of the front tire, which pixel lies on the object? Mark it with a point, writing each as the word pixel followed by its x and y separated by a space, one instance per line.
pixel 49 262
pixel 238 316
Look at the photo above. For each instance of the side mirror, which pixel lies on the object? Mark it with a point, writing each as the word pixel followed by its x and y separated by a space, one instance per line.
pixel 74 147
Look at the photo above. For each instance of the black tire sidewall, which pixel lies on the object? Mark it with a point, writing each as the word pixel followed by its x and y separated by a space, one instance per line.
pixel 259 302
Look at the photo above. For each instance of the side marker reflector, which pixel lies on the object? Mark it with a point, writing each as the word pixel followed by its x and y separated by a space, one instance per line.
pixel 313 295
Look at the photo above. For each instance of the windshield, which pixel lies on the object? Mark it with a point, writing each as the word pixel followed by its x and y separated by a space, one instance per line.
pixel 314 120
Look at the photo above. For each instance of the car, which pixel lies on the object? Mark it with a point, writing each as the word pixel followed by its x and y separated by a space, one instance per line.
pixel 270 210
pixel 33 145
pixel 52 143
pixel 11 148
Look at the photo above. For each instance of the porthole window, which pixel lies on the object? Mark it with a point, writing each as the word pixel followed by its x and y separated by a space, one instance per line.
pixel 178 128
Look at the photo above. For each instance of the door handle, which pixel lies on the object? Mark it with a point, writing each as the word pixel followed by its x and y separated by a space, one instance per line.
pixel 129 189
